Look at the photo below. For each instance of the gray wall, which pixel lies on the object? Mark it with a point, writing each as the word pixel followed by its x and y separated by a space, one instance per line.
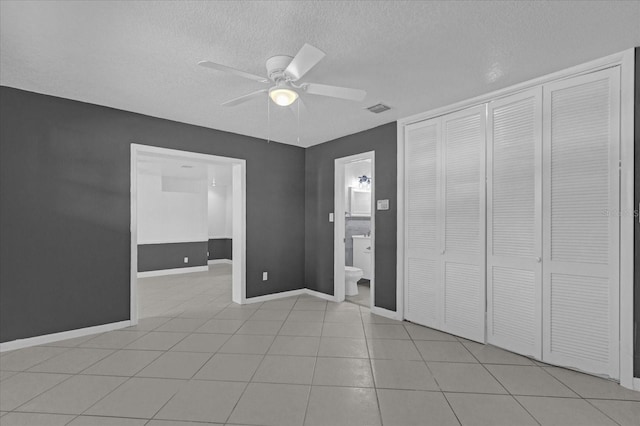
pixel 64 209
pixel 220 248
pixel 155 257
pixel 319 202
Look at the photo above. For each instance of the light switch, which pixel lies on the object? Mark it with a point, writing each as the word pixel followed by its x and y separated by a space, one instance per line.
pixel 265 276
pixel 383 204
pixel 330 217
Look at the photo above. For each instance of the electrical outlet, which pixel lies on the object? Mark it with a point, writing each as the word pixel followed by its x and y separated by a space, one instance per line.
pixel 186 260
pixel 265 276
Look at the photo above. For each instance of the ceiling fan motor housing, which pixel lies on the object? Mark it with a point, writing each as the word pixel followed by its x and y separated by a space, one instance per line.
pixel 276 66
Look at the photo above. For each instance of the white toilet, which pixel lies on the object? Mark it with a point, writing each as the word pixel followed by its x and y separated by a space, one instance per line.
pixel 351 277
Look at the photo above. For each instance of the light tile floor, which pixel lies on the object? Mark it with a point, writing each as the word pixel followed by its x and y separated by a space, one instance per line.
pixel 197 359
pixel 363 298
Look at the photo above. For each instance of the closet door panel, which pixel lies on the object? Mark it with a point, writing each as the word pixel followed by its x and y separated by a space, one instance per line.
pixel 422 268
pixel 463 213
pixel 514 200
pixel 581 224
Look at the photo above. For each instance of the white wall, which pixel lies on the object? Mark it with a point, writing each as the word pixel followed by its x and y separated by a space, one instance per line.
pixel 229 225
pixel 220 217
pixel 165 216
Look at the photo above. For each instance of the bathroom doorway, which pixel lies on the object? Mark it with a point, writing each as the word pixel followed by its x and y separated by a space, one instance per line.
pixel 354 229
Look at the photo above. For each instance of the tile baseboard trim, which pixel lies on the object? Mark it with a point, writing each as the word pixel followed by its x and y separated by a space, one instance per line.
pixel 63 335
pixel 174 271
pixel 386 313
pixel 275 296
pixel 218 261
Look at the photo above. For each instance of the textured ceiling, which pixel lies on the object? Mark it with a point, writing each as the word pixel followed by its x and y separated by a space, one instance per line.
pixel 413 56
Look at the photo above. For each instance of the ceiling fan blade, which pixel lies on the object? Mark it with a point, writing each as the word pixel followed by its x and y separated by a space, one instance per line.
pixel 244 98
pixel 335 91
pixel 224 68
pixel 306 58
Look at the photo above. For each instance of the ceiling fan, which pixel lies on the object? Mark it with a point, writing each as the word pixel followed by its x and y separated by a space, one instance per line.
pixel 283 73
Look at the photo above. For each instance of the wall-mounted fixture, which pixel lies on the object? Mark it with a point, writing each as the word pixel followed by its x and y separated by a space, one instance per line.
pixel 364 181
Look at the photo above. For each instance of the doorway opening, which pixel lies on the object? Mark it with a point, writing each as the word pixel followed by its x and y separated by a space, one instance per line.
pixel 188 226
pixel 354 231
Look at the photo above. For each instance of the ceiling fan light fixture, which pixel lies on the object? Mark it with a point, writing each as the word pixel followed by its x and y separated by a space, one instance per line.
pixel 283 96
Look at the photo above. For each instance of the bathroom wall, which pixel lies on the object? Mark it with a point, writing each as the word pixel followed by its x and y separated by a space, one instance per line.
pixel 352 173
pixel 354 226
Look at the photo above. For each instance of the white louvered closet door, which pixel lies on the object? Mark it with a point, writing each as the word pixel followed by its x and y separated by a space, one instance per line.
pixel 514 223
pixel 581 241
pixel 422 267
pixel 463 211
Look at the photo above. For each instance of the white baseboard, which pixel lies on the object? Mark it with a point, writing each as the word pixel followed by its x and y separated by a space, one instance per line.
pixel 217 261
pixel 161 272
pixel 386 313
pixel 320 295
pixel 63 335
pixel 636 383
pixel 275 296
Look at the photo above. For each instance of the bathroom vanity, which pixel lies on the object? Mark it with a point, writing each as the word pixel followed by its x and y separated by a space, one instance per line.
pixel 362 254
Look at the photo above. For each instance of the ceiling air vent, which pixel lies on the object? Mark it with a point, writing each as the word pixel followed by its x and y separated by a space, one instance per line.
pixel 378 108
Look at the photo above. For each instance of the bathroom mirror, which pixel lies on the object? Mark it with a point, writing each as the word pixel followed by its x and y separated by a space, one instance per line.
pixel 359 202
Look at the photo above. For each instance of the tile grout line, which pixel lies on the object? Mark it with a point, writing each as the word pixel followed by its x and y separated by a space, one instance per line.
pixel 134 376
pixel 432 375
pixel 581 397
pixel 373 378
pixel 313 374
pixel 178 315
pixel 259 364
pixel 503 386
pixel 169 349
pixel 71 375
pixel 193 375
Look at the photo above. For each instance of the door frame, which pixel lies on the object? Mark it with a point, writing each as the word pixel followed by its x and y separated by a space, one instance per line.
pixel 239 241
pixel 626 61
pixel 340 223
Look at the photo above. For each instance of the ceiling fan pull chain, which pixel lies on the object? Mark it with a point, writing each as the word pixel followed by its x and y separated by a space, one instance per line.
pixel 298 121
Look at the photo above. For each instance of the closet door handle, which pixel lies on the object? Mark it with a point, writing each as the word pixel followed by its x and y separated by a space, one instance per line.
pixel 442 251
pixel 538 259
